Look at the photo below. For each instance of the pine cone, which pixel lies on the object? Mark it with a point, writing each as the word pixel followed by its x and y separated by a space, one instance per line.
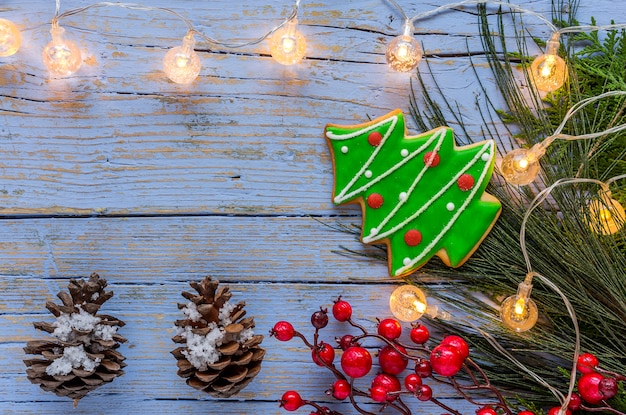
pixel 82 355
pixel 221 355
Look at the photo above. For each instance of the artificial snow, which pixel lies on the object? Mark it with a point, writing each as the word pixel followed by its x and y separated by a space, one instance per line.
pixel 65 323
pixel 191 311
pixel 203 350
pixel 104 332
pixel 224 315
pixel 74 357
pixel 245 335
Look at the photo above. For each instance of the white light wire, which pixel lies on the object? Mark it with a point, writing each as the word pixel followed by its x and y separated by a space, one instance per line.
pixel 130 6
pixel 293 15
pixel 190 27
pixel 585 28
pixel 513 7
pixel 541 196
pixel 577 107
pixel 494 343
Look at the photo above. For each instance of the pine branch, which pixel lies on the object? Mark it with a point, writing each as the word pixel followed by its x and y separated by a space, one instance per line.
pixel 589 268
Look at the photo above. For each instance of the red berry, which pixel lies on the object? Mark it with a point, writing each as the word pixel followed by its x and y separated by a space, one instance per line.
pixel 446 360
pixel 283 331
pixel 526 413
pixel 459 343
pixel 378 393
pixel 586 363
pixel 391 361
pixel 574 402
pixel 589 387
pixel 412 382
pixel 419 334
pixel 342 310
pixel 291 401
pixel 324 354
pixel 356 362
pixel 319 319
pixel 608 387
pixel 423 368
pixel 346 341
pixel 390 329
pixel 341 389
pixel 389 382
pixel 555 411
pixel 424 393
pixel 486 410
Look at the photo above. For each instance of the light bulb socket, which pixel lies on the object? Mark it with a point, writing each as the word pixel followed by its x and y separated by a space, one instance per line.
pixel 408 28
pixel 552 47
pixel 188 44
pixel 433 311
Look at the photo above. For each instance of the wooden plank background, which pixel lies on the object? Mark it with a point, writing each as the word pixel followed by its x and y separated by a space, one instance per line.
pixel 152 184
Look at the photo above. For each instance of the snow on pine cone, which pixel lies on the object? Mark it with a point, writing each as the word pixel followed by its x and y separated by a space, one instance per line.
pixel 81 356
pixel 221 354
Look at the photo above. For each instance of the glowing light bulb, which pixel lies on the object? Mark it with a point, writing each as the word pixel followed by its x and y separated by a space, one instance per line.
pixel 10 38
pixel 548 71
pixel 521 166
pixel 287 44
pixel 607 215
pixel 408 303
pixel 181 64
pixel 61 56
pixel 519 312
pixel 403 52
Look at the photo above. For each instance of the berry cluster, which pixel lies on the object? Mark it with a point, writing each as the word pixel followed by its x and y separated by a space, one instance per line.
pixel 439 364
pixel 595 386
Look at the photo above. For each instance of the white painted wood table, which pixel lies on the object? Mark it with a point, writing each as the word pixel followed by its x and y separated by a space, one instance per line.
pixel 152 184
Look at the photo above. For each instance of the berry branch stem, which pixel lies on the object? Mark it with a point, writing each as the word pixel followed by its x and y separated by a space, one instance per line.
pixel 439 364
pixel 605 408
pixel 444 406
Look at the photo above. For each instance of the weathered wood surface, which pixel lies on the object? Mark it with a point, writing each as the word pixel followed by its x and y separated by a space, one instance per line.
pixel 152 184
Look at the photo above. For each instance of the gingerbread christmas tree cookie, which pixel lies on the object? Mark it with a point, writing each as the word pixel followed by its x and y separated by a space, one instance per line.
pixel 420 195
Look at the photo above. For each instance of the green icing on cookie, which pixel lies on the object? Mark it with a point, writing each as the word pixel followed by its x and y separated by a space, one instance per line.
pixel 421 195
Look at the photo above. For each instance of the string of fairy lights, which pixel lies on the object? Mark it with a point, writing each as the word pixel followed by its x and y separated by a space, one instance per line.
pixel 287 45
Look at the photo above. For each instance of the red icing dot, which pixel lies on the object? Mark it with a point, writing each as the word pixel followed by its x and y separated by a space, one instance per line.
pixel 413 237
pixel 375 201
pixel 431 159
pixel 465 182
pixel 374 138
